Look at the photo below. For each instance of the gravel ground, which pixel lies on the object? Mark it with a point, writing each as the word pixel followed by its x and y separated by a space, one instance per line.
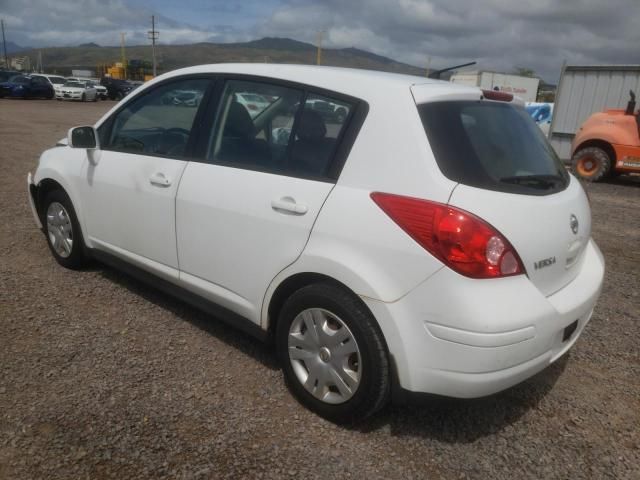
pixel 103 377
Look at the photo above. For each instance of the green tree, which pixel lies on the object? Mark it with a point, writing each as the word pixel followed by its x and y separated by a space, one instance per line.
pixel 524 72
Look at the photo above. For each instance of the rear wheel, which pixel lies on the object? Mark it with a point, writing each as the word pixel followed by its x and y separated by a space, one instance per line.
pixel 333 353
pixel 62 230
pixel 591 163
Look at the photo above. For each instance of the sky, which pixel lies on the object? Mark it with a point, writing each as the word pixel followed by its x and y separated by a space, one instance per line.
pixel 499 34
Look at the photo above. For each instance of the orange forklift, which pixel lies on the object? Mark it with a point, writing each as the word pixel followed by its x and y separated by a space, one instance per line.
pixel 607 144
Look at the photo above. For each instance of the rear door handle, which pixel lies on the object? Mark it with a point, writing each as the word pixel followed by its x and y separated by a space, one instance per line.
pixel 288 205
pixel 159 180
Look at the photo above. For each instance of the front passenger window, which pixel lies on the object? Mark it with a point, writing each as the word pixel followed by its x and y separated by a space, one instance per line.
pixel 158 122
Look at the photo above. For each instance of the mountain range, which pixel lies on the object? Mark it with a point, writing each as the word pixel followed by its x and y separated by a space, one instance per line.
pixel 170 57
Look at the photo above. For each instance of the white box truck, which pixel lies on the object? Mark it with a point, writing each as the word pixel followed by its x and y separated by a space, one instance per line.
pixel 524 87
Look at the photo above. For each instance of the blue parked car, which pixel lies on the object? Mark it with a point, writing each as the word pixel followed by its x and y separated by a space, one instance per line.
pixel 21 86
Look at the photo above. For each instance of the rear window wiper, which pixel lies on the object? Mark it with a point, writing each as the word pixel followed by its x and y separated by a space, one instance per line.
pixel 534 181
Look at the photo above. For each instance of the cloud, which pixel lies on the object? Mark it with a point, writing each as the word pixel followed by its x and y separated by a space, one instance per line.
pixel 70 22
pixel 498 34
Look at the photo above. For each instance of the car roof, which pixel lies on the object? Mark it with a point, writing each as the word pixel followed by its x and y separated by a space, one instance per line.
pixel 365 84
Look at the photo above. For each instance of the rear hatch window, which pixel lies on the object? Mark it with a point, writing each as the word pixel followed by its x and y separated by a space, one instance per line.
pixel 492 145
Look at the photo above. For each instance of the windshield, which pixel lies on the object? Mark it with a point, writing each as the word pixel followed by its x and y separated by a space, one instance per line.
pixel 57 80
pixel 20 79
pixel 492 145
pixel 74 84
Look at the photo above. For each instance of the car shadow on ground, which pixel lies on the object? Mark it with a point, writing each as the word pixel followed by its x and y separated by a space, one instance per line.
pixel 454 420
pixel 624 180
pixel 233 337
pixel 445 419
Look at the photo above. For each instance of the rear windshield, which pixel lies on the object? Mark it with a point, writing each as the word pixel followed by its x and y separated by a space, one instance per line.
pixel 492 145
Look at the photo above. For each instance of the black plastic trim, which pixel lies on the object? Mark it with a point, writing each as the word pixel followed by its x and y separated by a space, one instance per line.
pixel 221 313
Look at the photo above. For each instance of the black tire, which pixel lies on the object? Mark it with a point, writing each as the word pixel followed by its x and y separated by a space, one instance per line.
pixel 76 258
pixel 95 99
pixel 591 164
pixel 83 98
pixel 119 96
pixel 373 390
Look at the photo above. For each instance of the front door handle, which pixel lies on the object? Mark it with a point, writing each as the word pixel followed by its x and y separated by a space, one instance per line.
pixel 288 205
pixel 159 180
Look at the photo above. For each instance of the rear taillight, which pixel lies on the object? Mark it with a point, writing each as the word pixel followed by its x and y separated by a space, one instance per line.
pixel 462 241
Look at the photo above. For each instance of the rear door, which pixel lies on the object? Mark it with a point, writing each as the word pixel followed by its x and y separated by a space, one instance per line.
pixel 510 176
pixel 247 211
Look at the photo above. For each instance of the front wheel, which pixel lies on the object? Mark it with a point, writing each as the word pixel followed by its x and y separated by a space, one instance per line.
pixel 333 354
pixel 591 164
pixel 62 230
pixel 83 98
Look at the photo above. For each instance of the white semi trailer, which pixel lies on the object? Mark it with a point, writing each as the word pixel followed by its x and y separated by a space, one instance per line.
pixel 524 87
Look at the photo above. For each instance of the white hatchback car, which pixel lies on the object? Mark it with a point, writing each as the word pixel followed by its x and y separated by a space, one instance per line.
pixel 431 241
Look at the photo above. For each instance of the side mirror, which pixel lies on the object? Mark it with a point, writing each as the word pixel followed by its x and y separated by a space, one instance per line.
pixel 83 137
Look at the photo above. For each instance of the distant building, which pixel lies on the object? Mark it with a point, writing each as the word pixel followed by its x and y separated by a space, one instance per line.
pixel 21 64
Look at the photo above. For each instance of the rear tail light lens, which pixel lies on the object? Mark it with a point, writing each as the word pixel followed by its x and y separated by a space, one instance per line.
pixel 462 241
pixel 497 96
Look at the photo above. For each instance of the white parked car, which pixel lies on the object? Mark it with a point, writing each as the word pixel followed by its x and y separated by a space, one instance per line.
pixel 95 83
pixel 431 242
pixel 74 90
pixel 56 81
pixel 254 103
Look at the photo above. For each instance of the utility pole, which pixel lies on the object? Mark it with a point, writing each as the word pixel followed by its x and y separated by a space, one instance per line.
pixel 4 44
pixel 123 58
pixel 153 35
pixel 319 54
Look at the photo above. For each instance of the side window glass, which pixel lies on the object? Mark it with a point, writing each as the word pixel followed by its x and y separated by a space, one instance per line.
pixel 253 125
pixel 321 124
pixel 160 121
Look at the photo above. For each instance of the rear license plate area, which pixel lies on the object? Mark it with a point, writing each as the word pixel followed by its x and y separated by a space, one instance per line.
pixel 569 331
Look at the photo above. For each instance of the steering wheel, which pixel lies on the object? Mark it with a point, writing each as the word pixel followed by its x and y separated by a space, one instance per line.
pixel 178 130
pixel 178 148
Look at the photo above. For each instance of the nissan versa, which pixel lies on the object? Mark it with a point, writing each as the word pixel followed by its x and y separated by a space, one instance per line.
pixel 428 240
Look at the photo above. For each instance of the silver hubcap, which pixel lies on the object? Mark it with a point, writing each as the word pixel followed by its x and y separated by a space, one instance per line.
pixel 59 229
pixel 324 355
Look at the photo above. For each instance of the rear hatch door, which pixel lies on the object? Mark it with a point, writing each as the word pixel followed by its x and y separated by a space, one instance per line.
pixel 509 176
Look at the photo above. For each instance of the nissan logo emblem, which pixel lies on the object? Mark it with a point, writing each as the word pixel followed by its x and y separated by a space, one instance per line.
pixel 573 222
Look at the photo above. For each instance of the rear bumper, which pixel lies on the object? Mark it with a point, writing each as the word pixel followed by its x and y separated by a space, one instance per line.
pixel 467 338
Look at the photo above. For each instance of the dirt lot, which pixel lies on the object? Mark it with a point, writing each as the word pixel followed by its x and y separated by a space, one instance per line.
pixel 103 377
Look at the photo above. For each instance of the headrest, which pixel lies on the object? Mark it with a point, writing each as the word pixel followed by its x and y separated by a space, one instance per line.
pixel 312 126
pixel 239 123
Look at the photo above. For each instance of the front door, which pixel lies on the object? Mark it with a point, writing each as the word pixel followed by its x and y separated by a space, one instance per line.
pixel 131 182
